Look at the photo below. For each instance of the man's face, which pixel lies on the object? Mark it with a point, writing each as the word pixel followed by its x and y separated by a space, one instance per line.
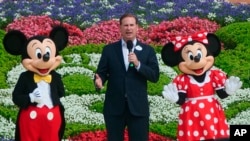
pixel 128 28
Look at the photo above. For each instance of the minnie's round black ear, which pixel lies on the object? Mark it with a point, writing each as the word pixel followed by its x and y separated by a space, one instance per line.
pixel 169 56
pixel 60 37
pixel 14 41
pixel 214 44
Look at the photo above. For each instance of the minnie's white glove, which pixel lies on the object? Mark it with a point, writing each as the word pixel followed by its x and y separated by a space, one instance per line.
pixel 35 96
pixel 232 84
pixel 170 92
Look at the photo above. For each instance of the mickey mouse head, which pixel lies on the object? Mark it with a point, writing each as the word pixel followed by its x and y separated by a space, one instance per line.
pixel 40 54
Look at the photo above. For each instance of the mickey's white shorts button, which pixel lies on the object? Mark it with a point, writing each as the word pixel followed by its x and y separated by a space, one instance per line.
pixel 33 114
pixel 50 116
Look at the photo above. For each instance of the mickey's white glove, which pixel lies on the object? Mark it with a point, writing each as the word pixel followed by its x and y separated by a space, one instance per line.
pixel 232 84
pixel 35 96
pixel 170 92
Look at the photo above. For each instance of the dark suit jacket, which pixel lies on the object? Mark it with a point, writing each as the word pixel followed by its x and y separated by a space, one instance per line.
pixel 26 85
pixel 131 83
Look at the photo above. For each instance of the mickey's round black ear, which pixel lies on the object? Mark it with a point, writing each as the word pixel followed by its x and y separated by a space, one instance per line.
pixel 60 37
pixel 214 44
pixel 14 41
pixel 169 56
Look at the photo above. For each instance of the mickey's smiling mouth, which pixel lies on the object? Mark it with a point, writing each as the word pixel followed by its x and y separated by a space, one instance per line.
pixel 198 71
pixel 43 71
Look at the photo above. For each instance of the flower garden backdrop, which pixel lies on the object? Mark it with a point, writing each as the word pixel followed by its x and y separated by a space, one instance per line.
pixel 94 23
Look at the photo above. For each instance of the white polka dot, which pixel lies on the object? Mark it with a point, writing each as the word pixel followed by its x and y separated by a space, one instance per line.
pixel 182 79
pixel 193 101
pixel 196 114
pixel 50 116
pixel 212 127
pixel 188 133
pixel 181 133
pixel 190 122
pixel 33 114
pixel 179 87
pixel 212 110
pixel 208 116
pixel 187 109
pixel 202 123
pixel 178 45
pixel 209 99
pixel 185 87
pixel 202 138
pixel 190 39
pixel 181 111
pixel 214 85
pixel 180 122
pixel 205 132
pixel 222 132
pixel 216 120
pixel 178 38
pixel 201 105
pixel 227 132
pixel 196 133
pixel 215 132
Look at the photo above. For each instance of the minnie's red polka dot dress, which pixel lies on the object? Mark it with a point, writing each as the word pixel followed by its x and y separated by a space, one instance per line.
pixel 201 116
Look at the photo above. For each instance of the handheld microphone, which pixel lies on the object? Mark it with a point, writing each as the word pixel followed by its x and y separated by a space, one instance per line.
pixel 130 46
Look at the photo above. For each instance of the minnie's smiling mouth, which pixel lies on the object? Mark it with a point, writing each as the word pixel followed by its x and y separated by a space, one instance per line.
pixel 43 71
pixel 198 71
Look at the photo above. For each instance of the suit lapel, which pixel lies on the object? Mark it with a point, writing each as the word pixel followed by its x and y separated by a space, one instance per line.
pixel 118 49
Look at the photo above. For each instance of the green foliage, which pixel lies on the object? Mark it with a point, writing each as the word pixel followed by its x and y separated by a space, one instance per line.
pixel 168 130
pixel 156 88
pixel 236 107
pixel 234 60
pixel 97 107
pixel 73 129
pixel 9 112
pixel 78 84
pixel 235 34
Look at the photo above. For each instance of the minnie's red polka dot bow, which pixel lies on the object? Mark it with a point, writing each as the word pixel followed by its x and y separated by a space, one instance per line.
pixel 180 41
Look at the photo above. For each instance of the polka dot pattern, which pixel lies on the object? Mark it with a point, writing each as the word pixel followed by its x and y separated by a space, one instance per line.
pixel 202 116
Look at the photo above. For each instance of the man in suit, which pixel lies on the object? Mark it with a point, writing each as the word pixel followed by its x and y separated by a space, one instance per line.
pixel 127 72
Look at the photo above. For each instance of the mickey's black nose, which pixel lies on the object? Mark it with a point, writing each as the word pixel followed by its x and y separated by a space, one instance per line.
pixel 46 57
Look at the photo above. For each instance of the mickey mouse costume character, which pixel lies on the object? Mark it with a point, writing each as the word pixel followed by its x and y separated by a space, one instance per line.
pixel 39 89
pixel 201 116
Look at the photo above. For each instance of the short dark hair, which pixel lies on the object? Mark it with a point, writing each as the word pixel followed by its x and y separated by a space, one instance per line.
pixel 128 15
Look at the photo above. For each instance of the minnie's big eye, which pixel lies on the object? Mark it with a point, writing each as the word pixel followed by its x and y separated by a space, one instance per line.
pixel 38 53
pixel 199 53
pixel 47 51
pixel 190 56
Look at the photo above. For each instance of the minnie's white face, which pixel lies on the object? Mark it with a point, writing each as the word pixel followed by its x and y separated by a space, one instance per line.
pixel 196 62
pixel 43 57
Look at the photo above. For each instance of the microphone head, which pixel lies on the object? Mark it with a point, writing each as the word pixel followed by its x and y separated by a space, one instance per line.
pixel 129 45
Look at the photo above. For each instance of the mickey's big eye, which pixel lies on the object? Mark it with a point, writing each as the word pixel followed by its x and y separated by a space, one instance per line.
pixel 38 53
pixel 190 56
pixel 47 51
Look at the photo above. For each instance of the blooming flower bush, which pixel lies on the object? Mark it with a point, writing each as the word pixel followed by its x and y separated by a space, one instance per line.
pixel 108 31
pixel 102 135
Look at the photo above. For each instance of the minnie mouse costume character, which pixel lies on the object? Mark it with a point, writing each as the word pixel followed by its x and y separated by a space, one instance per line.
pixel 201 116
pixel 39 89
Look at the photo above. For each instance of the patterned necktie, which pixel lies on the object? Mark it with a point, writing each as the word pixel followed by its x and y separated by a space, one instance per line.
pixel 38 78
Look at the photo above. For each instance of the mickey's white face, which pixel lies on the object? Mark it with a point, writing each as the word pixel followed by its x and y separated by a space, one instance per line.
pixel 196 62
pixel 43 57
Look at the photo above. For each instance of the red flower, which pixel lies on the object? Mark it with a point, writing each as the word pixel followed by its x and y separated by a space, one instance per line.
pixel 101 136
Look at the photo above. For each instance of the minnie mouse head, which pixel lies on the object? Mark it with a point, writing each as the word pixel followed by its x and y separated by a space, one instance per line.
pixel 193 54
pixel 40 54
